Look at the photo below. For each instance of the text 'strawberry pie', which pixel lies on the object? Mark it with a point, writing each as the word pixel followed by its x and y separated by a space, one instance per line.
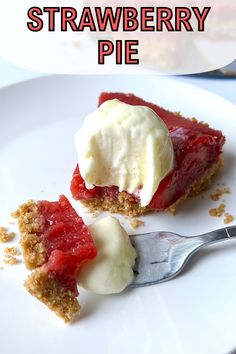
pixel 55 242
pixel 197 157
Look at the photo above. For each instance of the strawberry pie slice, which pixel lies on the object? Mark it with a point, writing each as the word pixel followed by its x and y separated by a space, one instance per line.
pixel 55 241
pixel 197 157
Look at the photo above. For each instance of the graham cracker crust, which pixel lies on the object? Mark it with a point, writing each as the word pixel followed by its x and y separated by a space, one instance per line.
pixel 33 250
pixel 127 205
pixel 44 287
pixel 39 283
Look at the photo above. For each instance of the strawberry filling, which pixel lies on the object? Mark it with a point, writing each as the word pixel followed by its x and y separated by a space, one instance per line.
pixel 66 239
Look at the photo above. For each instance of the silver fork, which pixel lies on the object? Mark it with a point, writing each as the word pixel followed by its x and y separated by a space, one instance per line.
pixel 163 255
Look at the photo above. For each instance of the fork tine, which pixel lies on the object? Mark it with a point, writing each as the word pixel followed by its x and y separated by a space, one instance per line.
pixel 152 264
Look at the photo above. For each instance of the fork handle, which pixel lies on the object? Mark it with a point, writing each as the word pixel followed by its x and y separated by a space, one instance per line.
pixel 218 235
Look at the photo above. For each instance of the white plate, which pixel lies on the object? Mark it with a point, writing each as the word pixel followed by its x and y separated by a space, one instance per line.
pixel 192 314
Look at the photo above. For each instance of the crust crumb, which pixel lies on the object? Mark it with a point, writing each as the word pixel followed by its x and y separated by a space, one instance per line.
pixel 15 214
pixel 44 287
pixel 6 236
pixel 11 251
pixel 135 223
pixel 217 194
pixel 96 214
pixel 228 218
pixel 11 260
pixel 218 212
pixel 10 254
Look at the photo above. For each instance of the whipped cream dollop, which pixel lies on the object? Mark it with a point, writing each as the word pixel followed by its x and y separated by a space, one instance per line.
pixel 125 146
pixel 111 271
